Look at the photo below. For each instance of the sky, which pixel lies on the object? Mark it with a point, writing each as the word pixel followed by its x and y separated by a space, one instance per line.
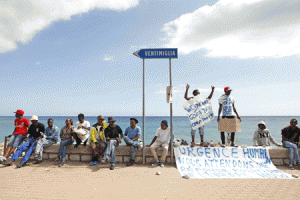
pixel 64 57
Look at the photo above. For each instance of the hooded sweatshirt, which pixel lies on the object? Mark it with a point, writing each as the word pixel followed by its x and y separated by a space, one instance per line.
pixel 263 137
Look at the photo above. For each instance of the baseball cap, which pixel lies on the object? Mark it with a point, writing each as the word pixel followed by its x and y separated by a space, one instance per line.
pixel 111 119
pixel 20 112
pixel 227 88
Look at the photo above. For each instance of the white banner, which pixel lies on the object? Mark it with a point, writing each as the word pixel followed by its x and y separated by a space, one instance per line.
pixel 199 112
pixel 229 162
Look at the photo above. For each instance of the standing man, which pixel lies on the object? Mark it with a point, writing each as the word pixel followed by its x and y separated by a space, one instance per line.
pixel 113 134
pixel 290 139
pixel 196 94
pixel 132 134
pixel 50 137
pixel 226 106
pixel 82 129
pixel 97 141
pixel 161 139
pixel 36 132
pixel 21 126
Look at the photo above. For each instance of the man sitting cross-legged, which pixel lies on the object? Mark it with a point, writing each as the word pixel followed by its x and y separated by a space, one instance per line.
pixel 132 134
pixel 161 139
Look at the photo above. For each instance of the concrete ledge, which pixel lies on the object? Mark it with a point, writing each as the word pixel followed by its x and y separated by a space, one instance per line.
pixel 83 153
pixel 279 155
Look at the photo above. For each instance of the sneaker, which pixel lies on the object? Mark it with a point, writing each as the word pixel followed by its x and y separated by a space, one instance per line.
pixel 6 163
pixel 92 163
pixel 192 144
pixel 162 164
pixel 112 167
pixel 103 161
pixel 95 162
pixel 155 164
pixel 291 167
pixel 130 163
pixel 76 145
pixel 21 164
pixel 37 162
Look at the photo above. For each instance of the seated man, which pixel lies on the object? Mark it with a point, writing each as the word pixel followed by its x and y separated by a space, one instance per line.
pixel 113 134
pixel 161 139
pixel 82 129
pixel 262 136
pixel 290 139
pixel 132 134
pixel 21 126
pixel 36 132
pixel 50 137
pixel 97 140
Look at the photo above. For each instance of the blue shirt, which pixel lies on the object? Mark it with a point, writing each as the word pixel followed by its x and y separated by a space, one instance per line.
pixel 132 133
pixel 52 134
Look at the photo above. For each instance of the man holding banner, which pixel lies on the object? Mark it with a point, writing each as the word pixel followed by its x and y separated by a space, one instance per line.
pixel 197 97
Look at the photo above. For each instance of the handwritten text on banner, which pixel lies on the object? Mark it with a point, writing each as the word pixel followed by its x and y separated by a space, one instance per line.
pixel 202 162
pixel 199 112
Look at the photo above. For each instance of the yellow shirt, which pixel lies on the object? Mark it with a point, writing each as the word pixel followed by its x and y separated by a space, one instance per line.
pixel 94 133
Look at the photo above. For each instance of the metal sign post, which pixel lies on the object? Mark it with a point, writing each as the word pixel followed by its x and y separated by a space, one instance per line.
pixel 154 54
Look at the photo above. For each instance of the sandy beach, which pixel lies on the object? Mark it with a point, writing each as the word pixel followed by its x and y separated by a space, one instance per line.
pixel 80 181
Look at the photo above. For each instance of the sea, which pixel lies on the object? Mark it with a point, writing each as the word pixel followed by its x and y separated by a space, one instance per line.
pixel 181 126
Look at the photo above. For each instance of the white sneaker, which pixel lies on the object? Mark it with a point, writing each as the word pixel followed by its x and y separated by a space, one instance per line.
pixel 2 158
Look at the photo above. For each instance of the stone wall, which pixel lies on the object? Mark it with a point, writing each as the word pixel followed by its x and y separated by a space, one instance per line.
pixel 279 155
pixel 83 153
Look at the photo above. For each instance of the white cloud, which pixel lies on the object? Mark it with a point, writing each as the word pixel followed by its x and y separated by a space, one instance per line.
pixel 21 20
pixel 107 58
pixel 239 28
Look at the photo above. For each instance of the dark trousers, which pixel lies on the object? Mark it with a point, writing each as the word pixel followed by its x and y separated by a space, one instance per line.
pixel 78 140
pixel 223 135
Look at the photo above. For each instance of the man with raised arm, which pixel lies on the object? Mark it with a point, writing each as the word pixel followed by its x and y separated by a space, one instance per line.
pixel 196 94
pixel 226 106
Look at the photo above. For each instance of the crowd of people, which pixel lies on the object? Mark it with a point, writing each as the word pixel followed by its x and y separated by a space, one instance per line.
pixel 105 138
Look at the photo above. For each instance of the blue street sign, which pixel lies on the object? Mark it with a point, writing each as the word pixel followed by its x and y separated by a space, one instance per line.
pixel 156 53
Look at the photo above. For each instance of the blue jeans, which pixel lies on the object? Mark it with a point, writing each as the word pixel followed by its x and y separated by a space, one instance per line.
pixel 22 148
pixel 293 149
pixel 15 140
pixel 63 149
pixel 133 146
pixel 110 151
pixel 40 145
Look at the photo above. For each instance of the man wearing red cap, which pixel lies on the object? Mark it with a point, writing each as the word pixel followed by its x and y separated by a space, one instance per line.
pixel 21 125
pixel 226 106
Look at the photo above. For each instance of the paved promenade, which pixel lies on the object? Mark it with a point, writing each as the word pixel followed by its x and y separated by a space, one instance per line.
pixel 78 180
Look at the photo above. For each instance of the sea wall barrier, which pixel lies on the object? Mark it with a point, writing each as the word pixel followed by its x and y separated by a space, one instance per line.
pixel 278 155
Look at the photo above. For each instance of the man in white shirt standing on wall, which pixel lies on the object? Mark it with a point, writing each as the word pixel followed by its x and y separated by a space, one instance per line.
pixel 226 106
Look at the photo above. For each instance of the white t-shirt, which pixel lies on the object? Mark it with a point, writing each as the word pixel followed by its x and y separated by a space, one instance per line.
pixel 163 135
pixel 227 104
pixel 83 134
